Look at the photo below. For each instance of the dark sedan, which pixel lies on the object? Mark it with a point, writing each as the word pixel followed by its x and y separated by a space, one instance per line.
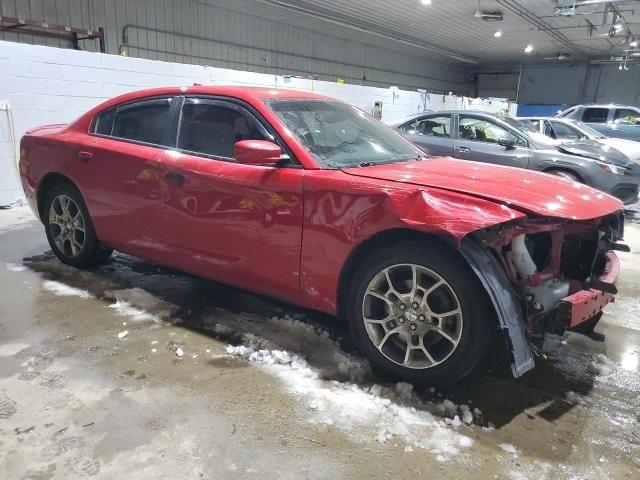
pixel 485 137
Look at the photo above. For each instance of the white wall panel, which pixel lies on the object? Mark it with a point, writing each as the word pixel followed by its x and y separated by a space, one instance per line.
pixel 53 85
pixel 210 33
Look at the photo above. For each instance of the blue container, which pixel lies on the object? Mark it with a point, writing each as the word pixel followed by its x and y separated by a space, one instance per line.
pixel 539 110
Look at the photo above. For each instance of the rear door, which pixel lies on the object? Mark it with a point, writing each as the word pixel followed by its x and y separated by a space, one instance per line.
pixel 432 133
pixel 241 224
pixel 123 177
pixel 477 140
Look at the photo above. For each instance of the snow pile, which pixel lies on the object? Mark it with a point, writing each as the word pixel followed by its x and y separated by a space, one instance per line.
pixel 575 398
pixel 13 267
pixel 58 288
pixel 140 305
pixel 602 366
pixel 363 415
pixel 507 447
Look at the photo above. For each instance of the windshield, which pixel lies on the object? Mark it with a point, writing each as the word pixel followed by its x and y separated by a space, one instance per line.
pixel 339 135
pixel 530 131
pixel 588 131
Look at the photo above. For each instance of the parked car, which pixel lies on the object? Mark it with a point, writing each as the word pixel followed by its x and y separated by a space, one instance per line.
pixel 618 121
pixel 314 202
pixel 486 137
pixel 567 129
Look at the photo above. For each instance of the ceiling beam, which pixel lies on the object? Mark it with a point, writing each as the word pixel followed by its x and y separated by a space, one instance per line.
pixel 371 28
pixel 540 24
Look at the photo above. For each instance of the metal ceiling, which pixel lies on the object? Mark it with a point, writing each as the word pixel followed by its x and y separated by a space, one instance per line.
pixel 448 29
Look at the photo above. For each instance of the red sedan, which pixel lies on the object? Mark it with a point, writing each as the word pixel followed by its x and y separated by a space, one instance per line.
pixel 313 201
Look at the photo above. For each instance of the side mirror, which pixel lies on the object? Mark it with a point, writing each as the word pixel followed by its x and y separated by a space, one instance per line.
pixel 257 152
pixel 507 142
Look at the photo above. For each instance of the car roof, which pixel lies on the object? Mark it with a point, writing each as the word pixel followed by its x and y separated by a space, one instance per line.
pixel 242 93
pixel 399 122
pixel 603 105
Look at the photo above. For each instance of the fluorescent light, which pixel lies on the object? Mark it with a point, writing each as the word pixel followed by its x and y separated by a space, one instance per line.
pixel 426 2
pixel 498 34
pixel 528 48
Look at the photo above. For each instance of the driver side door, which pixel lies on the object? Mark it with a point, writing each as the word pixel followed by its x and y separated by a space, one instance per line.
pixel 241 224
pixel 431 132
pixel 478 141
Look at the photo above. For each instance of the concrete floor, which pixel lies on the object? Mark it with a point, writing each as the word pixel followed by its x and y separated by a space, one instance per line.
pixel 78 401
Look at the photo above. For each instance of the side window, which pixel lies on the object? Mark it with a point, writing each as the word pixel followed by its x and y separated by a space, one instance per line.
pixel 434 126
pixel 479 130
pixel 142 121
pixel 409 128
pixel 626 115
pixel 595 115
pixel 103 123
pixel 212 128
pixel 534 123
pixel 565 132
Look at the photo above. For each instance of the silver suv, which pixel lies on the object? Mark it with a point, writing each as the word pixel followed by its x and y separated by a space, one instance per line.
pixel 618 121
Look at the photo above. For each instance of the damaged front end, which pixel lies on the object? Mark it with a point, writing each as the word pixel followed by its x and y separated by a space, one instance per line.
pixel 546 276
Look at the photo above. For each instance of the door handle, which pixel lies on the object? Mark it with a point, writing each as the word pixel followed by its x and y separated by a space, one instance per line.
pixel 462 149
pixel 175 178
pixel 85 156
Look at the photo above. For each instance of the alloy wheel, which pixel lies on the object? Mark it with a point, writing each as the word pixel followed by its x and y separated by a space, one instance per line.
pixel 412 316
pixel 67 225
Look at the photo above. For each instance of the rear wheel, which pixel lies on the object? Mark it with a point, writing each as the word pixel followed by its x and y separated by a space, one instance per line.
pixel 417 313
pixel 69 228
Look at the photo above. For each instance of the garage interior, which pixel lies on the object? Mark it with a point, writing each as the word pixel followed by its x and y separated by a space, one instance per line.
pixel 135 369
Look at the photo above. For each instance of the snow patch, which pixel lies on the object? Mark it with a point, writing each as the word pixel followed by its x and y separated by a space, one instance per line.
pixel 14 267
pixel 353 409
pixel 141 306
pixel 63 290
pixel 507 447
pixel 11 349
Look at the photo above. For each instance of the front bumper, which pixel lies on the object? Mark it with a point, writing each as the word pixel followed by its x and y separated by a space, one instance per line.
pixel 585 304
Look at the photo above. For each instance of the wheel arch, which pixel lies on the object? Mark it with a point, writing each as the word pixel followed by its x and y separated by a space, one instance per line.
pixel 380 240
pixel 567 169
pixel 47 183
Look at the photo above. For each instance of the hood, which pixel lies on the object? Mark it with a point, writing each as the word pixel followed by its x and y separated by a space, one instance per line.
pixel 595 150
pixel 630 148
pixel 528 191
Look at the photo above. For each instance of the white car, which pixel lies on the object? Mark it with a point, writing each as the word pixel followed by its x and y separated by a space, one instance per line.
pixel 567 129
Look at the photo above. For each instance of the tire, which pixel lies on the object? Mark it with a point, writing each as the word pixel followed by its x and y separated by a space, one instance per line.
pixel 65 215
pixel 565 174
pixel 469 328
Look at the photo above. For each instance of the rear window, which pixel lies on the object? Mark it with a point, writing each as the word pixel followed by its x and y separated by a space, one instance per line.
pixel 595 115
pixel 104 122
pixel 145 121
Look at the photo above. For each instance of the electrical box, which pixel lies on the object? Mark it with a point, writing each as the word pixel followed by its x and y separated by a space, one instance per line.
pixel 377 110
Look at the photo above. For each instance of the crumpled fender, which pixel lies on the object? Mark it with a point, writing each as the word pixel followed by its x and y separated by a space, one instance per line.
pixel 505 303
pixel 451 213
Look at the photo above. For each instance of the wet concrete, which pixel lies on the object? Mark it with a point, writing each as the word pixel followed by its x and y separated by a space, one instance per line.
pixel 78 401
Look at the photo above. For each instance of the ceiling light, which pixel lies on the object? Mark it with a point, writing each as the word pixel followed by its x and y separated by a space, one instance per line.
pixel 528 48
pixel 633 43
pixel 497 34
pixel 426 2
pixel 617 27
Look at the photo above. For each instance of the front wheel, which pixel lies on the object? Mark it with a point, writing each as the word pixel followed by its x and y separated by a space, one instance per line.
pixel 69 228
pixel 418 313
pixel 565 174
